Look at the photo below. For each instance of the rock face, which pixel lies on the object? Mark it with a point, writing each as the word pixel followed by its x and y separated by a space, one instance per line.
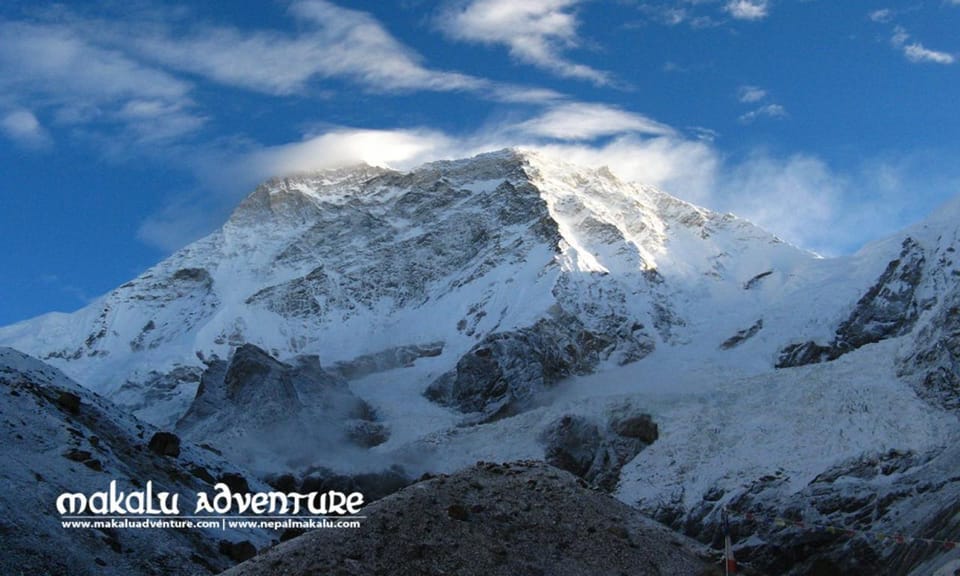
pixel 859 517
pixel 596 452
pixel 165 444
pixel 932 364
pixel 888 309
pixel 501 375
pixel 389 359
pixel 491 519
pixel 270 415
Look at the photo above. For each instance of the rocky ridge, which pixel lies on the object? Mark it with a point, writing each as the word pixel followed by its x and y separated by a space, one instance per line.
pixel 491 519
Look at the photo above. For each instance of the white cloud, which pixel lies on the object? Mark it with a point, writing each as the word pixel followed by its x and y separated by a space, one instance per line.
pixel 536 32
pixel 585 121
pixel 798 197
pixel 54 68
pixel 768 111
pixel 342 147
pixel 685 168
pixel 748 9
pixel 917 52
pixel 750 94
pixel 23 128
pixel 335 42
pixel 120 82
pixel 883 15
pixel 332 42
pixel 565 124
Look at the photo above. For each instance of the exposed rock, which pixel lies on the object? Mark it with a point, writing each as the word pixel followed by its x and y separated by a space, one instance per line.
pixel 388 359
pixel 373 485
pixel 889 308
pixel 640 426
pixel 597 452
pixel 753 282
pixel 238 551
pixel 933 365
pixel 43 442
pixel 491 520
pixel 165 444
pixel 833 525
pixel 367 434
pixel 77 455
pixel 198 275
pixel 743 335
pixel 261 411
pixel 69 401
pixel 235 481
pixel 502 375
pixel 805 353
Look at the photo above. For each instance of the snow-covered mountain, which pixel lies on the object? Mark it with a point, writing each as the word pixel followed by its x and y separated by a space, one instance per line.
pixel 512 306
pixel 352 263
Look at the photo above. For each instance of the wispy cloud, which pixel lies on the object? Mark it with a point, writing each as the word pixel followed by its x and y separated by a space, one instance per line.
pixel 587 121
pixel 335 42
pixel 767 111
pixel 796 197
pixel 758 97
pixel 24 129
pixel 748 9
pixel 882 15
pixel 51 67
pixel 537 32
pixel 917 52
pixel 750 94
pixel 702 14
pixel 135 81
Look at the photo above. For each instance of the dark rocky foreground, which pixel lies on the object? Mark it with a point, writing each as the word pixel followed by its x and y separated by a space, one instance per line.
pixel 491 519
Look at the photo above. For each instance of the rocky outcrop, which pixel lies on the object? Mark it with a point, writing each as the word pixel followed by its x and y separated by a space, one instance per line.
pixel 597 451
pixel 932 365
pixel 502 375
pixel 889 308
pixel 491 520
pixel 742 335
pixel 165 444
pixel 397 357
pixel 258 410
pixel 869 515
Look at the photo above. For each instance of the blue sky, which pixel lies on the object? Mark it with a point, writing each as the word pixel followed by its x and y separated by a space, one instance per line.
pixel 128 129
